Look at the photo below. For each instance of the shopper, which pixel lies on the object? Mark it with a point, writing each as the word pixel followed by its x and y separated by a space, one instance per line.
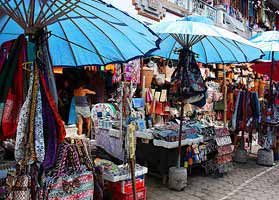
pixel 82 106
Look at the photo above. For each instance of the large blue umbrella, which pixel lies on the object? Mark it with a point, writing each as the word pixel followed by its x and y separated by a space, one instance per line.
pixel 80 32
pixel 212 44
pixel 268 42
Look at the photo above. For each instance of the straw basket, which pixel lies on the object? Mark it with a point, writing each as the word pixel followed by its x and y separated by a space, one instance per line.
pixel 265 157
pixel 148 74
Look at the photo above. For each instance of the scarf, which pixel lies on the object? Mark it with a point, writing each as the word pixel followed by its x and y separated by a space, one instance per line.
pixel 58 119
pixel 14 99
pixel 8 73
pixel 23 124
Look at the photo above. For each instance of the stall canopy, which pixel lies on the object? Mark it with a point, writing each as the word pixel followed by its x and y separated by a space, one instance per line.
pixel 212 44
pixel 268 42
pixel 79 32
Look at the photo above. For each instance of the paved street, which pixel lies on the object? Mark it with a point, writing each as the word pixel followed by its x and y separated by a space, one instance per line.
pixel 245 182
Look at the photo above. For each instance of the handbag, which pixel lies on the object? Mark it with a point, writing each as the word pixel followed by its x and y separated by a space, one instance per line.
pixel 74 183
pixel 97 171
pixel 187 80
pixel 219 105
pixel 19 187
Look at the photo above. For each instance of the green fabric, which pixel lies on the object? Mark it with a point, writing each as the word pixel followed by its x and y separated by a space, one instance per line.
pixel 9 68
pixel 31 52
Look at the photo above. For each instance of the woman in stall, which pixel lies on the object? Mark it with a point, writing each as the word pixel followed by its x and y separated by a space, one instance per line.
pixel 82 106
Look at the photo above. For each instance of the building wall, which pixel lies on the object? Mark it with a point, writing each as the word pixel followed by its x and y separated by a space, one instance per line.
pixel 233 15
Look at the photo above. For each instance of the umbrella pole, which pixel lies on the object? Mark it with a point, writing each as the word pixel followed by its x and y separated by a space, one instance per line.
pixel 180 134
pixel 132 168
pixel 182 54
pixel 225 97
pixel 270 81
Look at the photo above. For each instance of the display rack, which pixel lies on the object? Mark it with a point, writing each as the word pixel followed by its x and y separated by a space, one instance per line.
pixel 224 157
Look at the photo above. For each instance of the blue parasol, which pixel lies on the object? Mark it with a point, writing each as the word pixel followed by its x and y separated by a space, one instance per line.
pixel 268 42
pixel 79 32
pixel 211 43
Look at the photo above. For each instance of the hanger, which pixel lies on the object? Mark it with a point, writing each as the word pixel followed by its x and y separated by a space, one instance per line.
pixel 24 66
pixel 39 53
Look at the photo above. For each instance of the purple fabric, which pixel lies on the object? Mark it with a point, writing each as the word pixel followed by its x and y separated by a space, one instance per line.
pixel 50 132
pixel 112 145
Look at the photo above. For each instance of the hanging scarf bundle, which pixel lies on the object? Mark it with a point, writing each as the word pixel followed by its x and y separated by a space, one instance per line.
pixel 247 111
pixel 187 81
pixel 11 96
pixel 53 125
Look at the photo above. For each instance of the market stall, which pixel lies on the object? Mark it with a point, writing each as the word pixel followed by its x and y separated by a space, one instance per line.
pixel 32 42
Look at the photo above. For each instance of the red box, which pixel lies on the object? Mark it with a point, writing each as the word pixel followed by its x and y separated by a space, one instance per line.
pixel 126 187
pixel 141 195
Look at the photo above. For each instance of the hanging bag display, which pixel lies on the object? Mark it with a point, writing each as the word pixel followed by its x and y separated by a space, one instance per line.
pixel 69 180
pixel 187 80
pixel 20 187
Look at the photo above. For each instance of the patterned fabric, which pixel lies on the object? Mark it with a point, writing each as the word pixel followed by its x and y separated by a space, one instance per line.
pixel 23 122
pixel 9 71
pixel 20 188
pixel 31 154
pixel 39 133
pixel 69 184
pixel 14 100
pixel 112 145
pixel 187 80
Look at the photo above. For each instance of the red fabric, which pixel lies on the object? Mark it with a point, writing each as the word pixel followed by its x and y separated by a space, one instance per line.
pixel 14 99
pixel 57 117
pixel 265 68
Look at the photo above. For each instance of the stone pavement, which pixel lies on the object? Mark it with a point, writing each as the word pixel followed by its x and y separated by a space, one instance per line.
pixel 245 182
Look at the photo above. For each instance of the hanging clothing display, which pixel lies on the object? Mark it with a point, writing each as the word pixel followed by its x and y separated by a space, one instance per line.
pixel 11 96
pixel 22 128
pixel 58 119
pixel 187 81
pixel 49 72
pixel 247 110
pixel 14 99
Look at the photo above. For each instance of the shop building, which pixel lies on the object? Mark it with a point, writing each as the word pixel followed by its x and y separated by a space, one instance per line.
pixel 244 17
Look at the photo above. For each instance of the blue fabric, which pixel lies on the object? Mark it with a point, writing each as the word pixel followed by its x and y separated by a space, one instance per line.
pixel 211 43
pixel 96 34
pixel 72 113
pixel 267 41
